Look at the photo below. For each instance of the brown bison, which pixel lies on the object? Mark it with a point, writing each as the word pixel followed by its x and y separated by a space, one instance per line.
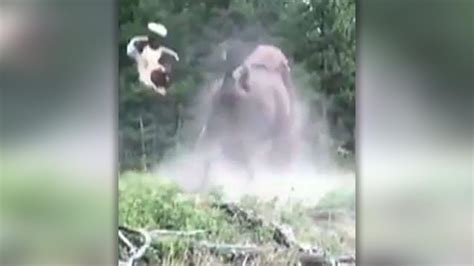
pixel 252 112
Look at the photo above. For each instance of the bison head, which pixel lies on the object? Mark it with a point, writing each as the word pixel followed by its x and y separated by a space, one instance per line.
pixel 242 59
pixel 236 74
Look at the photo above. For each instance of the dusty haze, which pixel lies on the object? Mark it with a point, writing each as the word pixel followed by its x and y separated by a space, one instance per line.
pixel 312 174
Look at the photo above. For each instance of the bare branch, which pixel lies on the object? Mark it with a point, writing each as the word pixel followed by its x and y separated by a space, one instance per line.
pixel 283 236
pixel 131 247
pixel 141 251
pixel 136 254
pixel 160 235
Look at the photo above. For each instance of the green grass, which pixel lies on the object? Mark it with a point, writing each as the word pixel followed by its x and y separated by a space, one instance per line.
pixel 341 199
pixel 147 201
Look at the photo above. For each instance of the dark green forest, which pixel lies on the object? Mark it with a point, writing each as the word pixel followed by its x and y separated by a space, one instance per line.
pixel 318 36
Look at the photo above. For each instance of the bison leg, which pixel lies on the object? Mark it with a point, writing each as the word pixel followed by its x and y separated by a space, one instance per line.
pixel 282 144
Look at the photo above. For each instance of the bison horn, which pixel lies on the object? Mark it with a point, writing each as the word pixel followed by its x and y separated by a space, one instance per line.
pixel 241 75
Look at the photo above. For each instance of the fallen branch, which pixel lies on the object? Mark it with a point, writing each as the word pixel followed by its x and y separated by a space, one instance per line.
pixel 282 235
pixel 229 249
pixel 136 254
pixel 167 233
pixel 346 259
pixel 127 242
pixel 306 255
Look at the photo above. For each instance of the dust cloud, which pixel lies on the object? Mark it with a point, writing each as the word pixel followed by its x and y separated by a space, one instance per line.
pixel 312 173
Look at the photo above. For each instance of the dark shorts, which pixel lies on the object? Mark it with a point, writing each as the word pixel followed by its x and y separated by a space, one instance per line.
pixel 160 78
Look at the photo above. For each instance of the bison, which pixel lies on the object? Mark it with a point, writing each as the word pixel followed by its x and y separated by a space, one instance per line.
pixel 253 110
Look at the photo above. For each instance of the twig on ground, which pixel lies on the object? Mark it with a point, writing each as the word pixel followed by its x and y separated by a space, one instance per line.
pixel 346 259
pixel 228 249
pixel 136 254
pixel 283 236
pixel 141 251
pixel 131 247
pixel 165 233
